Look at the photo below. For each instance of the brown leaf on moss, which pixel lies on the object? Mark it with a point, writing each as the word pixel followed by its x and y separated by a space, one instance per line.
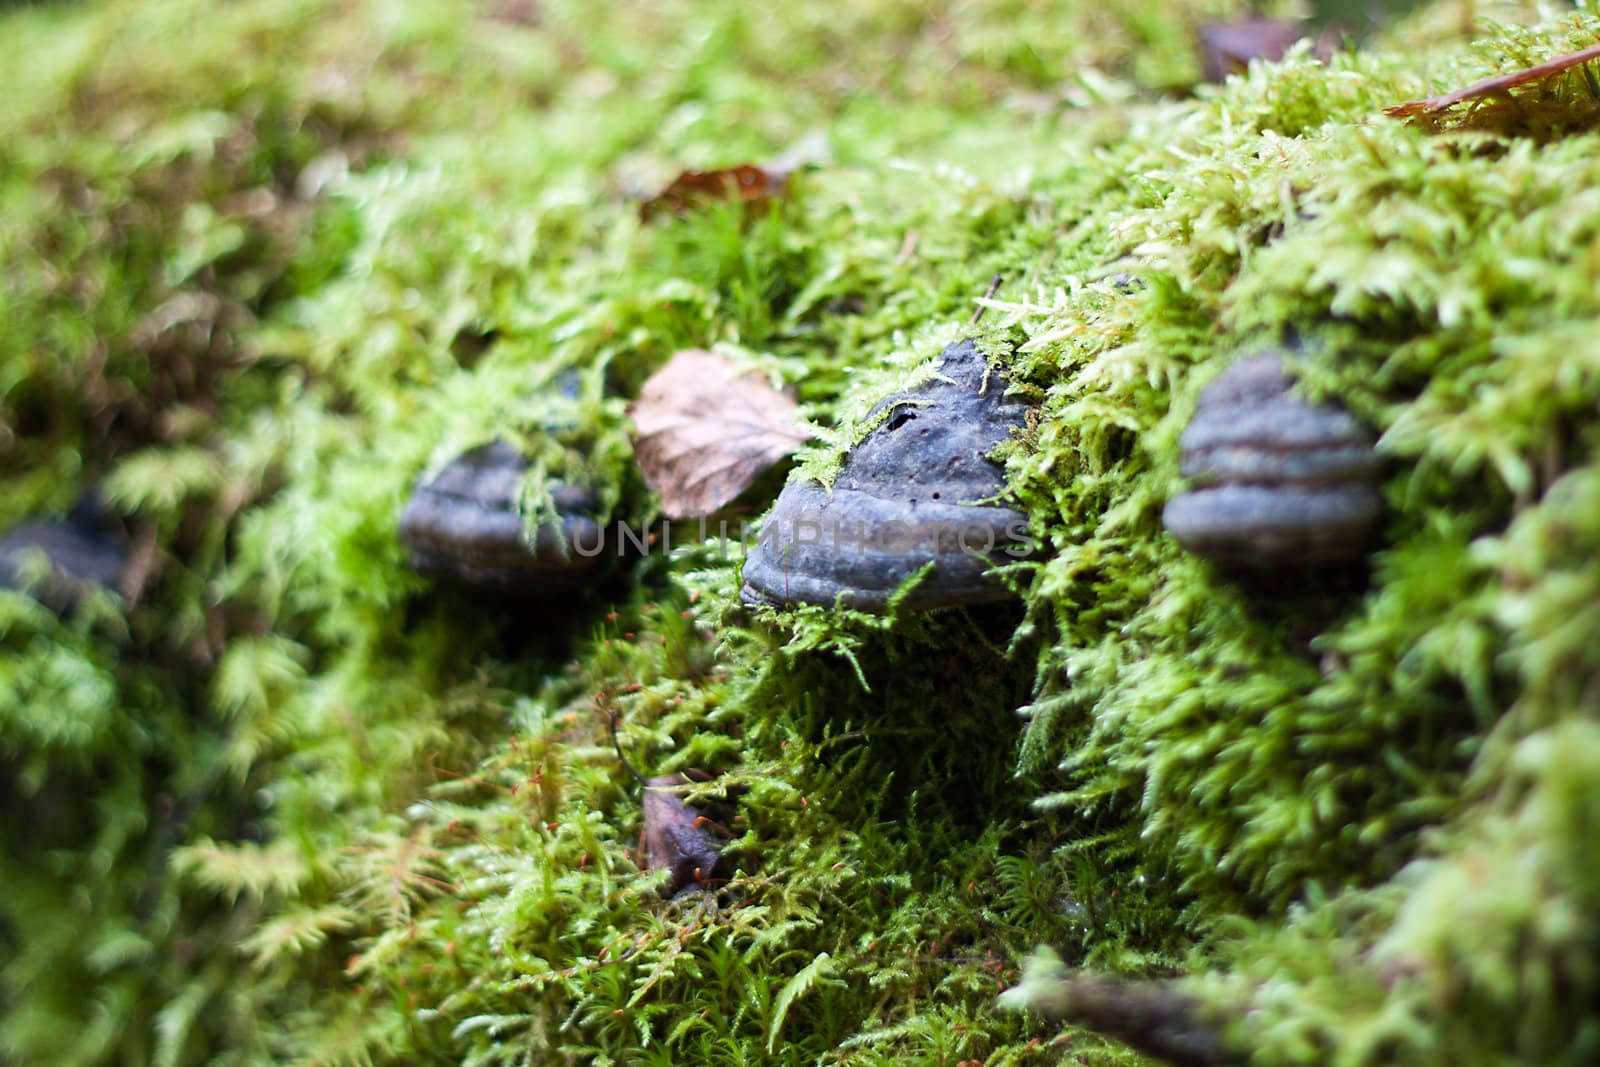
pixel 515 12
pixel 1228 47
pixel 704 433
pixel 694 188
pixel 1499 85
pixel 675 837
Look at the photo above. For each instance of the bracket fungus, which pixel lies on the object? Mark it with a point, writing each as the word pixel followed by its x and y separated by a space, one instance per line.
pixel 75 554
pixel 911 496
pixel 1277 482
pixel 464 523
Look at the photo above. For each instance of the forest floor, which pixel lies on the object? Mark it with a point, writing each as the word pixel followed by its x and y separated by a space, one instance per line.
pixel 278 797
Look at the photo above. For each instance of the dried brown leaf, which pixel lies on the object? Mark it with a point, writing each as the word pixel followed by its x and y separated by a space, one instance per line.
pixel 1228 47
pixel 675 837
pixel 704 433
pixel 746 182
pixel 1498 85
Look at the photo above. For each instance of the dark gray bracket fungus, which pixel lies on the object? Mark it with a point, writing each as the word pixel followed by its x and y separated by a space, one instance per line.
pixel 464 524
pixel 906 497
pixel 1277 482
pixel 81 552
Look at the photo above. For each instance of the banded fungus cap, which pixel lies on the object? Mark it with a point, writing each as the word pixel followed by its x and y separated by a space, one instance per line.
pixel 915 496
pixel 1277 481
pixel 465 523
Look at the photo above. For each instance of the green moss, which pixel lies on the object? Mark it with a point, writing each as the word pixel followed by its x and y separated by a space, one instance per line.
pixel 295 803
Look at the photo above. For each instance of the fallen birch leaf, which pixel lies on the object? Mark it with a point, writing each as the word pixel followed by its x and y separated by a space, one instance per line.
pixel 1499 85
pixel 745 182
pixel 704 433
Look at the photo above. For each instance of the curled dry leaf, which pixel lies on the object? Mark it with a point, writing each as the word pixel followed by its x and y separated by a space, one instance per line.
pixel 1499 85
pixel 675 837
pixel 745 182
pixel 704 433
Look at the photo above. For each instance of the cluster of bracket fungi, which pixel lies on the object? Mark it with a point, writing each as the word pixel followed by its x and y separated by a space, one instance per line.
pixel 913 498
pixel 913 515
pixel 911 520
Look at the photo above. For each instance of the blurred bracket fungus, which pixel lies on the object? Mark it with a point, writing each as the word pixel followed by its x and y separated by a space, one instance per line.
pixel 1153 1018
pixel 464 523
pixel 909 500
pixel 58 561
pixel 1277 482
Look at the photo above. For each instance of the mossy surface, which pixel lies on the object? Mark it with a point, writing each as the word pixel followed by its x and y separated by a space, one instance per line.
pixel 281 800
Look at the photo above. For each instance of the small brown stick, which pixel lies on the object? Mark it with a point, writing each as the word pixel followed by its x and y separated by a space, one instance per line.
pixel 1497 85
pixel 141 563
pixel 994 287
pixel 908 247
pixel 611 726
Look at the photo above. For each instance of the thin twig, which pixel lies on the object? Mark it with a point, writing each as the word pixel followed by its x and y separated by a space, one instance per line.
pixel 994 287
pixel 1499 85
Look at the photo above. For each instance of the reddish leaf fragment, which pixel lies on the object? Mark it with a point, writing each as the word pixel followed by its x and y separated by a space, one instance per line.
pixel 705 433
pixel 1228 47
pixel 675 837
pixel 694 188
pixel 515 12
pixel 1500 84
